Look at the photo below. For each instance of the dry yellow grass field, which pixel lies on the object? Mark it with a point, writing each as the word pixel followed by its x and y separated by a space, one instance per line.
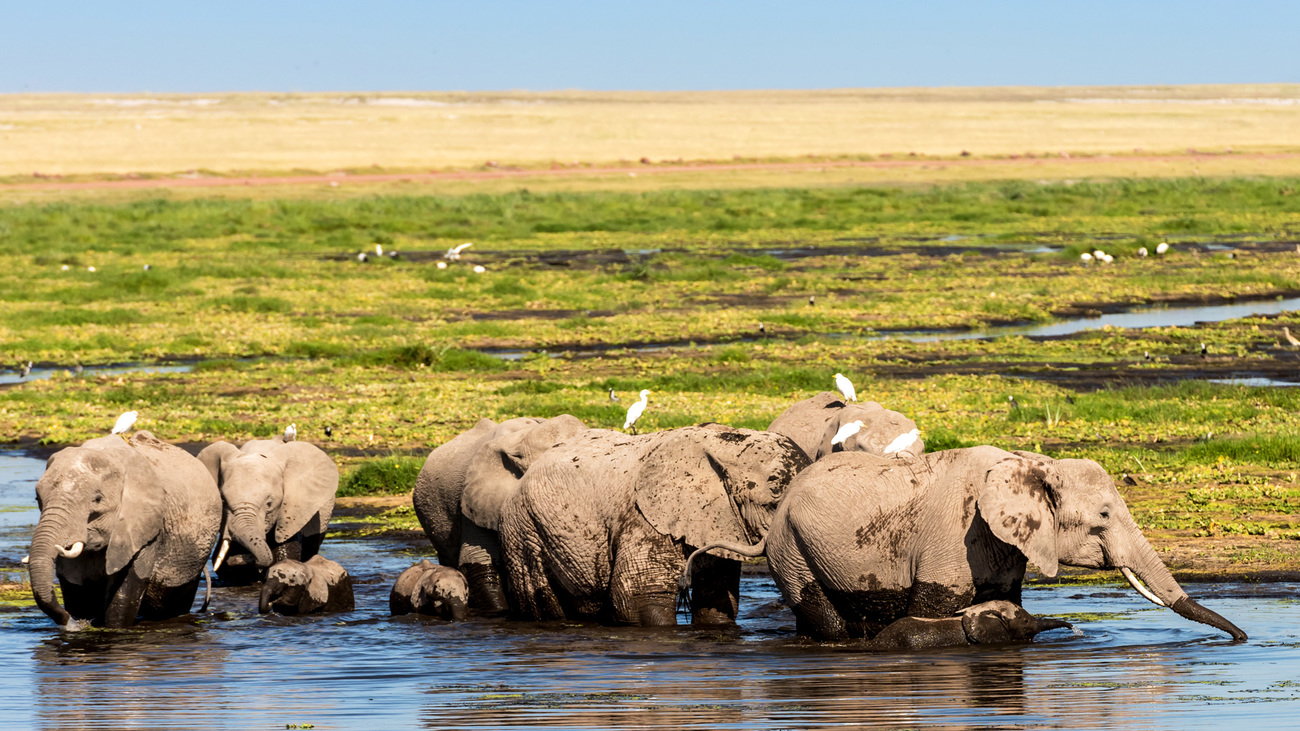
pixel 97 133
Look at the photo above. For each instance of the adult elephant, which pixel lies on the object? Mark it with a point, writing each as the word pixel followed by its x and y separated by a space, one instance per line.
pixel 602 524
pixel 813 423
pixel 862 542
pixel 278 497
pixel 462 486
pixel 126 526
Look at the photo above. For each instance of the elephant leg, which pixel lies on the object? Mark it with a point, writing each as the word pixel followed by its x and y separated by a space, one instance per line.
pixel 290 550
pixel 165 602
pixel 480 562
pixel 85 601
pixel 524 561
pixel 815 615
pixel 715 590
pixel 311 545
pixel 643 583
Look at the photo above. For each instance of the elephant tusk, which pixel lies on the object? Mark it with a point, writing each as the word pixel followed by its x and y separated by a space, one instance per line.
pixel 221 555
pixel 72 552
pixel 1137 585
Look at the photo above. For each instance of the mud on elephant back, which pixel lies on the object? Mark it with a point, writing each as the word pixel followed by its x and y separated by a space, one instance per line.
pixel 861 542
pixel 602 523
pixel 278 499
pixel 814 422
pixel 126 526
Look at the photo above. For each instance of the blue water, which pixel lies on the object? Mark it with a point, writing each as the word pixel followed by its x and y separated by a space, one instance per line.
pixel 1134 666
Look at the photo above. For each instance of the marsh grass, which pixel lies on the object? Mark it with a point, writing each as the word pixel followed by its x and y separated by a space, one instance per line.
pixel 391 475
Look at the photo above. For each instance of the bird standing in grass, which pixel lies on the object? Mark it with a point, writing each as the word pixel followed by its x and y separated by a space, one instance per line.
pixel 1142 251
pixel 1146 355
pixel 290 432
pixel 362 257
pixel 1286 333
pixel 1204 350
pixel 479 269
pixel 26 370
pixel 846 431
pixel 612 396
pixel 762 330
pixel 379 250
pixel 1014 404
pixel 453 254
pixel 1162 247
pixel 903 442
pixel 329 431
pixel 845 387
pixel 125 422
pixel 812 300
pixel 634 412
pixel 1085 257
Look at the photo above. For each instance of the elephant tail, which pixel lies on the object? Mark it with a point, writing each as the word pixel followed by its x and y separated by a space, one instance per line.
pixel 207 593
pixel 754 551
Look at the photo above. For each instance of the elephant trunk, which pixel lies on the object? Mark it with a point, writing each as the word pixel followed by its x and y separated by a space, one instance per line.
pixel 264 602
pixel 246 526
pixel 1165 591
pixel 46 546
pixel 754 551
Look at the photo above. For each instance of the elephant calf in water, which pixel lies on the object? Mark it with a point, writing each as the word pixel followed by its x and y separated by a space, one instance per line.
pixel 430 589
pixel 862 542
pixel 296 587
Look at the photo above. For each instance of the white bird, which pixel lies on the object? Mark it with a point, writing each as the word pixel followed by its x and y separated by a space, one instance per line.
pixel 479 269
pixel 1162 247
pixel 90 269
pixel 1086 257
pixel 379 250
pixel 1099 253
pixel 66 267
pixel 290 432
pixel 442 265
pixel 147 267
pixel 635 410
pixel 612 397
pixel 125 422
pixel 1142 251
pixel 812 299
pixel 846 431
pixel 903 441
pixel 362 257
pixel 1108 258
pixel 1286 332
pixel 845 387
pixel 762 330
pixel 454 252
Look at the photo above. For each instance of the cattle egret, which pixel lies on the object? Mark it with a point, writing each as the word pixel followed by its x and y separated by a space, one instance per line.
pixel 329 431
pixel 812 299
pixel 362 257
pixel 846 431
pixel 1086 257
pixel 1099 253
pixel 90 269
pixel 634 412
pixel 393 254
pixel 612 397
pixel 903 442
pixel 290 432
pixel 379 250
pixel 1108 258
pixel 125 422
pixel 1162 247
pixel 66 267
pixel 147 267
pixel 479 269
pixel 1142 251
pixel 454 252
pixel 442 265
pixel 845 387
pixel 1286 332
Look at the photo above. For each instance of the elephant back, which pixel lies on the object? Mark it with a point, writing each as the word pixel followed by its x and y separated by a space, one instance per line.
pixel 493 475
pixel 805 422
pixel 880 427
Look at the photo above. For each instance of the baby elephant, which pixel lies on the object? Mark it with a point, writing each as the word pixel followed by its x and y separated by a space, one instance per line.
pixel 990 623
pixel 294 587
pixel 432 589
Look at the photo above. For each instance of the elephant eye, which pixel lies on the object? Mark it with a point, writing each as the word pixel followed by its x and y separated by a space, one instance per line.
pixel 1105 515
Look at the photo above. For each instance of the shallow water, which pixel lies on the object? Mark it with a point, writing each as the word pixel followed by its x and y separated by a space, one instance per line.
pixel 1129 666
pixel 39 374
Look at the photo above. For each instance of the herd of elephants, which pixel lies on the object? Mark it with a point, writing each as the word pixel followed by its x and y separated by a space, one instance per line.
pixel 546 519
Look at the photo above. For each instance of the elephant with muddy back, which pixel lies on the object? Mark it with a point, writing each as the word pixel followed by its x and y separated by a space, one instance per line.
pixel 813 423
pixel 602 524
pixel 862 542
pixel 126 526
pixel 279 497
pixel 464 484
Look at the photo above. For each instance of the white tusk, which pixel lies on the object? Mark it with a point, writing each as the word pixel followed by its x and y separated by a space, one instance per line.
pixel 1145 592
pixel 72 552
pixel 27 559
pixel 221 555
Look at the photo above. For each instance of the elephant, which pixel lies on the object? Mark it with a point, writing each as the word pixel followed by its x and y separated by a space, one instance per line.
pixel 861 541
pixel 303 587
pixel 127 526
pixel 813 423
pixel 430 589
pixel 602 523
pixel 278 497
pixel 462 486
pixel 989 623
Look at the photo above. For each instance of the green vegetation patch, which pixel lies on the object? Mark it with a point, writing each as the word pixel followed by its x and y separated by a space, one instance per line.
pixel 393 475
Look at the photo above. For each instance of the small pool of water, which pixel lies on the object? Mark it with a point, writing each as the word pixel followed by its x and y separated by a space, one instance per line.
pixel 39 374
pixel 1129 665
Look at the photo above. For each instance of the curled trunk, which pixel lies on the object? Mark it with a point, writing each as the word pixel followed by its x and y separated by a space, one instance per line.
pixel 45 548
pixel 247 528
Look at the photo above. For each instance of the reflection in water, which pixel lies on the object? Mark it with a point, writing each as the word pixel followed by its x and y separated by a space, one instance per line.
pixel 1132 665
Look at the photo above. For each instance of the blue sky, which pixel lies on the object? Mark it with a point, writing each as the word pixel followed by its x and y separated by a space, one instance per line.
pixel 566 44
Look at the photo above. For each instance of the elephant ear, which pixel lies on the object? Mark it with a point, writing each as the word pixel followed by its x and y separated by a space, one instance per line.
pixel 139 518
pixel 1018 504
pixel 684 493
pixel 310 481
pixel 214 455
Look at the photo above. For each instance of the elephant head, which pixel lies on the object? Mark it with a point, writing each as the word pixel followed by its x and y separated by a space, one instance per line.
pixel 100 498
pixel 271 487
pixel 428 588
pixel 1069 512
pixel 713 483
pixel 294 587
pixel 492 477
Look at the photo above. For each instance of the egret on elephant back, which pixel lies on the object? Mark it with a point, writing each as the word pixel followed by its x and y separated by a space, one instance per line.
pixel 845 387
pixel 125 422
pixel 846 431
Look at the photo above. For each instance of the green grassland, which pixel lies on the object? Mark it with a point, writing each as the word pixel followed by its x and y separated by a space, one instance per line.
pixel 283 324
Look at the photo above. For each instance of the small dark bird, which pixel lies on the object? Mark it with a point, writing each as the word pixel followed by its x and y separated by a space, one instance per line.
pixel 762 330
pixel 393 255
pixel 1069 399
pixel 612 397
pixel 1146 355
pixel 362 257
pixel 329 431
pixel 27 370
pixel 812 299
pixel 1203 350
pixel 1014 405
